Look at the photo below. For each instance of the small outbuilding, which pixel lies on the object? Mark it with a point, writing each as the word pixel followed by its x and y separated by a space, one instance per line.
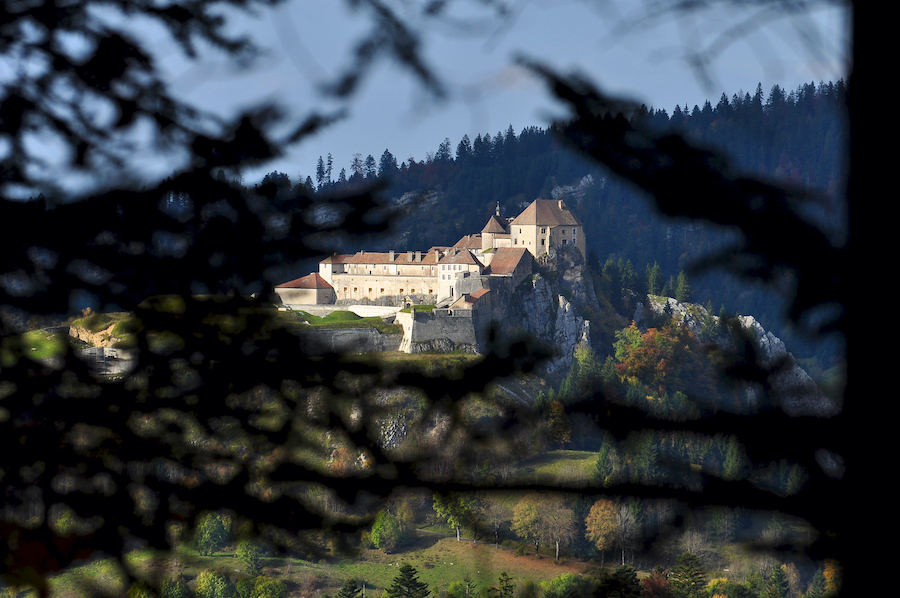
pixel 309 290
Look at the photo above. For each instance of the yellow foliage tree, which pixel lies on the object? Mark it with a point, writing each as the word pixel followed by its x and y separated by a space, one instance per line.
pixel 601 525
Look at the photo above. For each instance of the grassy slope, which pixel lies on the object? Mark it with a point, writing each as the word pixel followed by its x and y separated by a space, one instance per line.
pixel 439 561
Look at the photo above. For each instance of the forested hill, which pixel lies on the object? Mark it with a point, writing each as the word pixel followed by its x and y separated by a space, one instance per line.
pixel 792 136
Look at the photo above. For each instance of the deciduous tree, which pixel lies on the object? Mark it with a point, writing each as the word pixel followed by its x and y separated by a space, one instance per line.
pixel 455 508
pixel 212 534
pixel 601 526
pixel 212 584
pixel 386 533
pixel 250 554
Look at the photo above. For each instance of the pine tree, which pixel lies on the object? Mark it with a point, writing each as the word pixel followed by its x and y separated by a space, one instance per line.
pixel 688 579
pixel 371 168
pixel 682 288
pixel 779 582
pixel 621 583
pixel 407 585
pixel 558 426
pixel 320 173
pixel 735 466
pixel 654 279
pixel 350 589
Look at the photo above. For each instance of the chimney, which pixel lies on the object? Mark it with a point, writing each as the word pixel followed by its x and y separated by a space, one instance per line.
pixel 418 256
pixel 562 206
pixel 391 256
pixel 409 256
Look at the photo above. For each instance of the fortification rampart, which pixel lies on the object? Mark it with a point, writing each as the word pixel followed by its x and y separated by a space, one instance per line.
pixel 438 330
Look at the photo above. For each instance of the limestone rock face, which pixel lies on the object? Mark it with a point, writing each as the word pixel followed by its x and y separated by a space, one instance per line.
pixel 545 311
pixel 792 389
pixel 101 338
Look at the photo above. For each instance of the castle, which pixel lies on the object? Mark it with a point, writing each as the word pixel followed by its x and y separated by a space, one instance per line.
pixel 456 277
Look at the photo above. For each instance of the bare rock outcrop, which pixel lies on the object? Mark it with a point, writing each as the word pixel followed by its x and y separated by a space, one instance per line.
pixel 788 386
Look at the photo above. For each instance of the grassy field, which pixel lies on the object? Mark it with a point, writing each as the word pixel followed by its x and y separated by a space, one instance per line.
pixel 36 344
pixel 439 561
pixel 560 468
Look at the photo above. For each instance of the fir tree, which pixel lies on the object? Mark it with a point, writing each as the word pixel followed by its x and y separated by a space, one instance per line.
pixel 654 279
pixel 407 585
pixel 688 578
pixel 778 582
pixel 350 589
pixel 682 288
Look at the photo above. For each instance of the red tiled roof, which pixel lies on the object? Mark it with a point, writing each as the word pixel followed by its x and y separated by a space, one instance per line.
pixel 337 259
pixel 507 259
pixel 469 242
pixel 494 225
pixel 310 281
pixel 400 257
pixel 547 212
pixel 460 257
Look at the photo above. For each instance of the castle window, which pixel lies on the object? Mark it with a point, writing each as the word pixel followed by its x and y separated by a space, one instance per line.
pixel 355 289
pixel 401 290
pixel 431 291
pixel 573 231
pixel 370 289
pixel 543 231
pixel 565 241
pixel 543 242
pixel 381 291
pixel 412 290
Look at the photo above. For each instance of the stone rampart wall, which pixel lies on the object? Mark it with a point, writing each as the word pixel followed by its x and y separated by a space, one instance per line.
pixel 429 332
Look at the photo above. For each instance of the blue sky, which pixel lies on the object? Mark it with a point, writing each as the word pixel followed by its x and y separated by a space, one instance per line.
pixel 305 45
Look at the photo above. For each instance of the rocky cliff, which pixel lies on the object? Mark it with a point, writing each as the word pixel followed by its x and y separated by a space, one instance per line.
pixel 548 306
pixel 790 387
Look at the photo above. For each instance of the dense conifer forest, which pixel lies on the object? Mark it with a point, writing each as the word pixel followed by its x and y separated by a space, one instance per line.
pixel 790 136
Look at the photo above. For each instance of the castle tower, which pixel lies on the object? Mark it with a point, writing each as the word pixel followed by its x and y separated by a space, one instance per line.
pixel 494 227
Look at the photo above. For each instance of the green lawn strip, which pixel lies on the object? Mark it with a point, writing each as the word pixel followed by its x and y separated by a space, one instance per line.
pixel 564 468
pixel 337 320
pixel 419 308
pixel 35 344
pixel 84 580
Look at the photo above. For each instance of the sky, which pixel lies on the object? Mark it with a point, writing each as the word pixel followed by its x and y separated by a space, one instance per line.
pixel 305 45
